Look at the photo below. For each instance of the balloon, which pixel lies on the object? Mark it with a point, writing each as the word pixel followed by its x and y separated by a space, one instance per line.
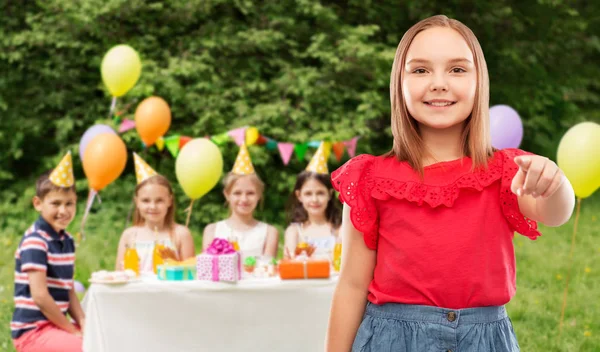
pixel 152 119
pixel 578 157
pixel 121 68
pixel 251 135
pixel 89 134
pixel 506 127
pixel 199 167
pixel 104 160
pixel 79 288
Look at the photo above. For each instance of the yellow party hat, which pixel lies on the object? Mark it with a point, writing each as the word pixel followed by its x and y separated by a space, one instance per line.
pixel 243 163
pixel 143 171
pixel 62 175
pixel 318 163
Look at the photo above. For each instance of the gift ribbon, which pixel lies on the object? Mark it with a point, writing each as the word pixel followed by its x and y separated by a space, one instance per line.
pixel 218 247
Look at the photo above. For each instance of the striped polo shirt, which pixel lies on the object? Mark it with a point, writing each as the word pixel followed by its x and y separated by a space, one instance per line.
pixel 42 249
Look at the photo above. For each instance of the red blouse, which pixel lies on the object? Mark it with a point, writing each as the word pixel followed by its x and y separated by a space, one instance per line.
pixel 443 241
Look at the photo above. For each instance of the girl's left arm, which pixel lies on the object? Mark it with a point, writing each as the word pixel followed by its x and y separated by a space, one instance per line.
pixel 544 192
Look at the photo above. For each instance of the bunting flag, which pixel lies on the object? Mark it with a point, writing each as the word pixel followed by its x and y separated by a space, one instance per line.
pixel 220 139
pixel 351 146
pixel 160 144
pixel 126 125
pixel 338 150
pixel 271 144
pixel 327 149
pixel 238 135
pixel 172 143
pixel 300 150
pixel 183 140
pixel 314 144
pixel 285 150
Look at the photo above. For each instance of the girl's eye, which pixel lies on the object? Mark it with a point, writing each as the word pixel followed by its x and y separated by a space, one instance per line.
pixel 420 71
pixel 458 70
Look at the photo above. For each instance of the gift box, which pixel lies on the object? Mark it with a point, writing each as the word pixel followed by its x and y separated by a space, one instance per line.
pixel 176 272
pixel 309 268
pixel 220 262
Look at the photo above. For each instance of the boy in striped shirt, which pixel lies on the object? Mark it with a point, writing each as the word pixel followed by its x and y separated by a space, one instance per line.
pixel 44 269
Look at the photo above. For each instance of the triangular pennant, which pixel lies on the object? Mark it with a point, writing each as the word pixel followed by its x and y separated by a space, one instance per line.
pixel 220 139
pixel 300 150
pixel 314 144
pixel 285 150
pixel 271 144
pixel 318 163
pixel 62 175
pixel 262 140
pixel 338 150
pixel 143 171
pixel 238 135
pixel 351 146
pixel 183 140
pixel 172 143
pixel 126 125
pixel 160 144
pixel 326 149
pixel 243 163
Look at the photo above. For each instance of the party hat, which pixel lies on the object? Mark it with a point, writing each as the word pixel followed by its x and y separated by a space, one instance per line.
pixel 243 163
pixel 318 163
pixel 143 171
pixel 62 175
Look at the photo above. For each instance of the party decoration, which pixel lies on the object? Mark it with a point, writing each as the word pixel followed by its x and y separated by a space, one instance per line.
pixel 238 135
pixel 104 160
pixel 251 135
pixel 351 146
pixel 243 163
pixel 198 167
pixel 285 150
pixel 143 171
pixel 152 119
pixel 62 175
pixel 89 134
pixel 121 68
pixel 183 141
pixel 126 125
pixel 338 150
pixel 160 144
pixel 578 157
pixel 318 163
pixel 79 288
pixel 506 127
pixel 300 150
pixel 172 143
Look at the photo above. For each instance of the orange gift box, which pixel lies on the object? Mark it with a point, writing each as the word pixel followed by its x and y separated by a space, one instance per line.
pixel 304 269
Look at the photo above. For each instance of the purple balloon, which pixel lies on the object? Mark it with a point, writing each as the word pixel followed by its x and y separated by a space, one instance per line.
pixel 90 134
pixel 79 288
pixel 506 127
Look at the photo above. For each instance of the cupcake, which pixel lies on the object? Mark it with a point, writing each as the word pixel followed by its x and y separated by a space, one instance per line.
pixel 249 264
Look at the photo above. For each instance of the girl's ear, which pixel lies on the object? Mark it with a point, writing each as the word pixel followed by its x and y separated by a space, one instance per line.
pixel 297 193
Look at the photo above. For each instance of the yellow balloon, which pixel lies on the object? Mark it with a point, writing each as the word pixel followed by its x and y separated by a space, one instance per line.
pixel 251 135
pixel 199 167
pixel 121 69
pixel 578 157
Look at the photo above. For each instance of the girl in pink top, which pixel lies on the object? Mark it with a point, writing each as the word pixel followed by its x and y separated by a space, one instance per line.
pixel 428 260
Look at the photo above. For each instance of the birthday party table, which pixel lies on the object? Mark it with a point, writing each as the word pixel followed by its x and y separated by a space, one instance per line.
pixel 252 315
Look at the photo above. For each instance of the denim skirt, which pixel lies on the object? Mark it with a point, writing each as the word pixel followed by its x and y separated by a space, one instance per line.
pixel 413 328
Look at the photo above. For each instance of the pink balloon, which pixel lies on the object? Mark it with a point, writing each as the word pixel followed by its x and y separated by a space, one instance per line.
pixel 506 127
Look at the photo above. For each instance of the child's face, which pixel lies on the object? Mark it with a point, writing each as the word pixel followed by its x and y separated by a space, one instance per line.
pixel 153 202
pixel 439 79
pixel 314 197
pixel 243 196
pixel 57 208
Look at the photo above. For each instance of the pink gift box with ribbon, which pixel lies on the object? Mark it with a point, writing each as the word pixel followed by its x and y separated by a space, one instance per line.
pixel 220 262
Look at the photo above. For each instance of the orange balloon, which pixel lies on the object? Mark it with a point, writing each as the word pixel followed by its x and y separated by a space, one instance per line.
pixel 152 119
pixel 104 160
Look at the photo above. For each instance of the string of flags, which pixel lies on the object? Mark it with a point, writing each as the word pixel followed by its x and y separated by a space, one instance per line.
pixel 251 136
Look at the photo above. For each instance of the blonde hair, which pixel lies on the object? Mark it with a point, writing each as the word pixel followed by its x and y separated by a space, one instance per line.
pixel 476 139
pixel 138 220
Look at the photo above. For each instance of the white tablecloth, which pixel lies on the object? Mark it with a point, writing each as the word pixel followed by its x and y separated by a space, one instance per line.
pixel 168 316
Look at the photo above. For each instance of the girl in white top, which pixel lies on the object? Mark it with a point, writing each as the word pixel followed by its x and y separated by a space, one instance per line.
pixel 314 213
pixel 243 189
pixel 154 221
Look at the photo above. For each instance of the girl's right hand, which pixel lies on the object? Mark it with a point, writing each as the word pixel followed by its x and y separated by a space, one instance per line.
pixel 168 253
